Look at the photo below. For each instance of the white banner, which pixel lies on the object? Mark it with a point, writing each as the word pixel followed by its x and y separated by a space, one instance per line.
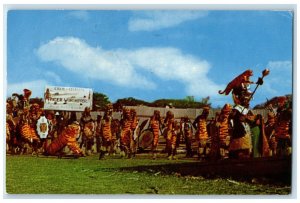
pixel 67 98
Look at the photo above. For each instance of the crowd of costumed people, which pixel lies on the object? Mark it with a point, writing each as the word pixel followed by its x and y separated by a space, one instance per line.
pixel 234 132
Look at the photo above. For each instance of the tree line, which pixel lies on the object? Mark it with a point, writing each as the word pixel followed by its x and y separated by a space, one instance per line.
pixel 100 101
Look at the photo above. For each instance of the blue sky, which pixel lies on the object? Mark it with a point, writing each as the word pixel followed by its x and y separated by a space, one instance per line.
pixel 149 54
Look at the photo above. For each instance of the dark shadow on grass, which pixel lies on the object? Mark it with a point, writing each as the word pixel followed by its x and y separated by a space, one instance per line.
pixel 264 170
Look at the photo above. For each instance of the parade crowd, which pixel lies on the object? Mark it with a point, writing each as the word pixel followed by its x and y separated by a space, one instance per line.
pixel 235 132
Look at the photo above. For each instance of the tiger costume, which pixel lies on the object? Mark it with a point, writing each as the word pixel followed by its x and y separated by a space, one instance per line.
pixel 223 130
pixel 201 135
pixel 106 131
pixel 66 138
pixel 126 133
pixel 187 130
pixel 240 86
pixel 283 128
pixel 106 135
pixel 88 130
pixel 237 81
pixel 270 133
pixel 155 123
pixel 170 135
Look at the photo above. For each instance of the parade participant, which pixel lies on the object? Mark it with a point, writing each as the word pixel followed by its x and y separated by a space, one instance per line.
pixel 67 138
pixel 170 135
pixel 115 140
pixel 50 115
pixel 200 124
pixel 42 128
pixel 240 144
pixel 98 133
pixel 155 123
pixel 240 88
pixel 73 117
pixel 62 121
pixel 126 133
pixel 187 134
pixel 270 133
pixel 88 128
pixel 213 131
pixel 26 98
pixel 8 136
pixel 10 129
pixel 134 130
pixel 169 116
pixel 106 131
pixel 27 131
pixel 283 127
pixel 222 123
pixel 256 137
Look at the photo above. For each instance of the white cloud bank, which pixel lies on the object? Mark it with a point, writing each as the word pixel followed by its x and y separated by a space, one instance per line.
pixel 155 20
pixel 131 68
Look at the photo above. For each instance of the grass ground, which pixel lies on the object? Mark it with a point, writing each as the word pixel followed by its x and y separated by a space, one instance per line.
pixel 28 174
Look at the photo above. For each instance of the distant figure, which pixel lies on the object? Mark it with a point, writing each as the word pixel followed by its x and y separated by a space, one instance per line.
pixel 188 134
pixel 155 123
pixel 256 137
pixel 47 95
pixel 201 135
pixel 171 135
pixel 98 133
pixel 223 131
pixel 106 131
pixel 270 133
pixel 126 133
pixel 88 130
pixel 134 130
pixel 283 127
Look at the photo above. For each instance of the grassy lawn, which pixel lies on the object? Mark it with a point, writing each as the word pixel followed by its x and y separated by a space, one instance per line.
pixel 49 175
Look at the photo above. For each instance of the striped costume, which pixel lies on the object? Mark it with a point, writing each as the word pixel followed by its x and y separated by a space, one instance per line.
pixel 223 130
pixel 270 133
pixel 155 128
pixel 171 137
pixel 201 134
pixel 126 133
pixel 106 133
pixel 66 138
pixel 88 129
pixel 283 133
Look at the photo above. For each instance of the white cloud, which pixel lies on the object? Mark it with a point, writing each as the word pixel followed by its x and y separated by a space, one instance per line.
pixel 37 87
pixel 80 15
pixel 280 76
pixel 95 63
pixel 131 68
pixel 155 20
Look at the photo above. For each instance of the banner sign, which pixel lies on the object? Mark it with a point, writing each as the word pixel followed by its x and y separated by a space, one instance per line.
pixel 67 98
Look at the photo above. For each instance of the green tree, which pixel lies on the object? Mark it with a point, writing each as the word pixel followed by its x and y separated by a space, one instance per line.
pixel 100 101
pixel 130 101
pixel 190 98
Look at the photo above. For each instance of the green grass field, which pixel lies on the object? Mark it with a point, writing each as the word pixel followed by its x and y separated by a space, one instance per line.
pixel 28 174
